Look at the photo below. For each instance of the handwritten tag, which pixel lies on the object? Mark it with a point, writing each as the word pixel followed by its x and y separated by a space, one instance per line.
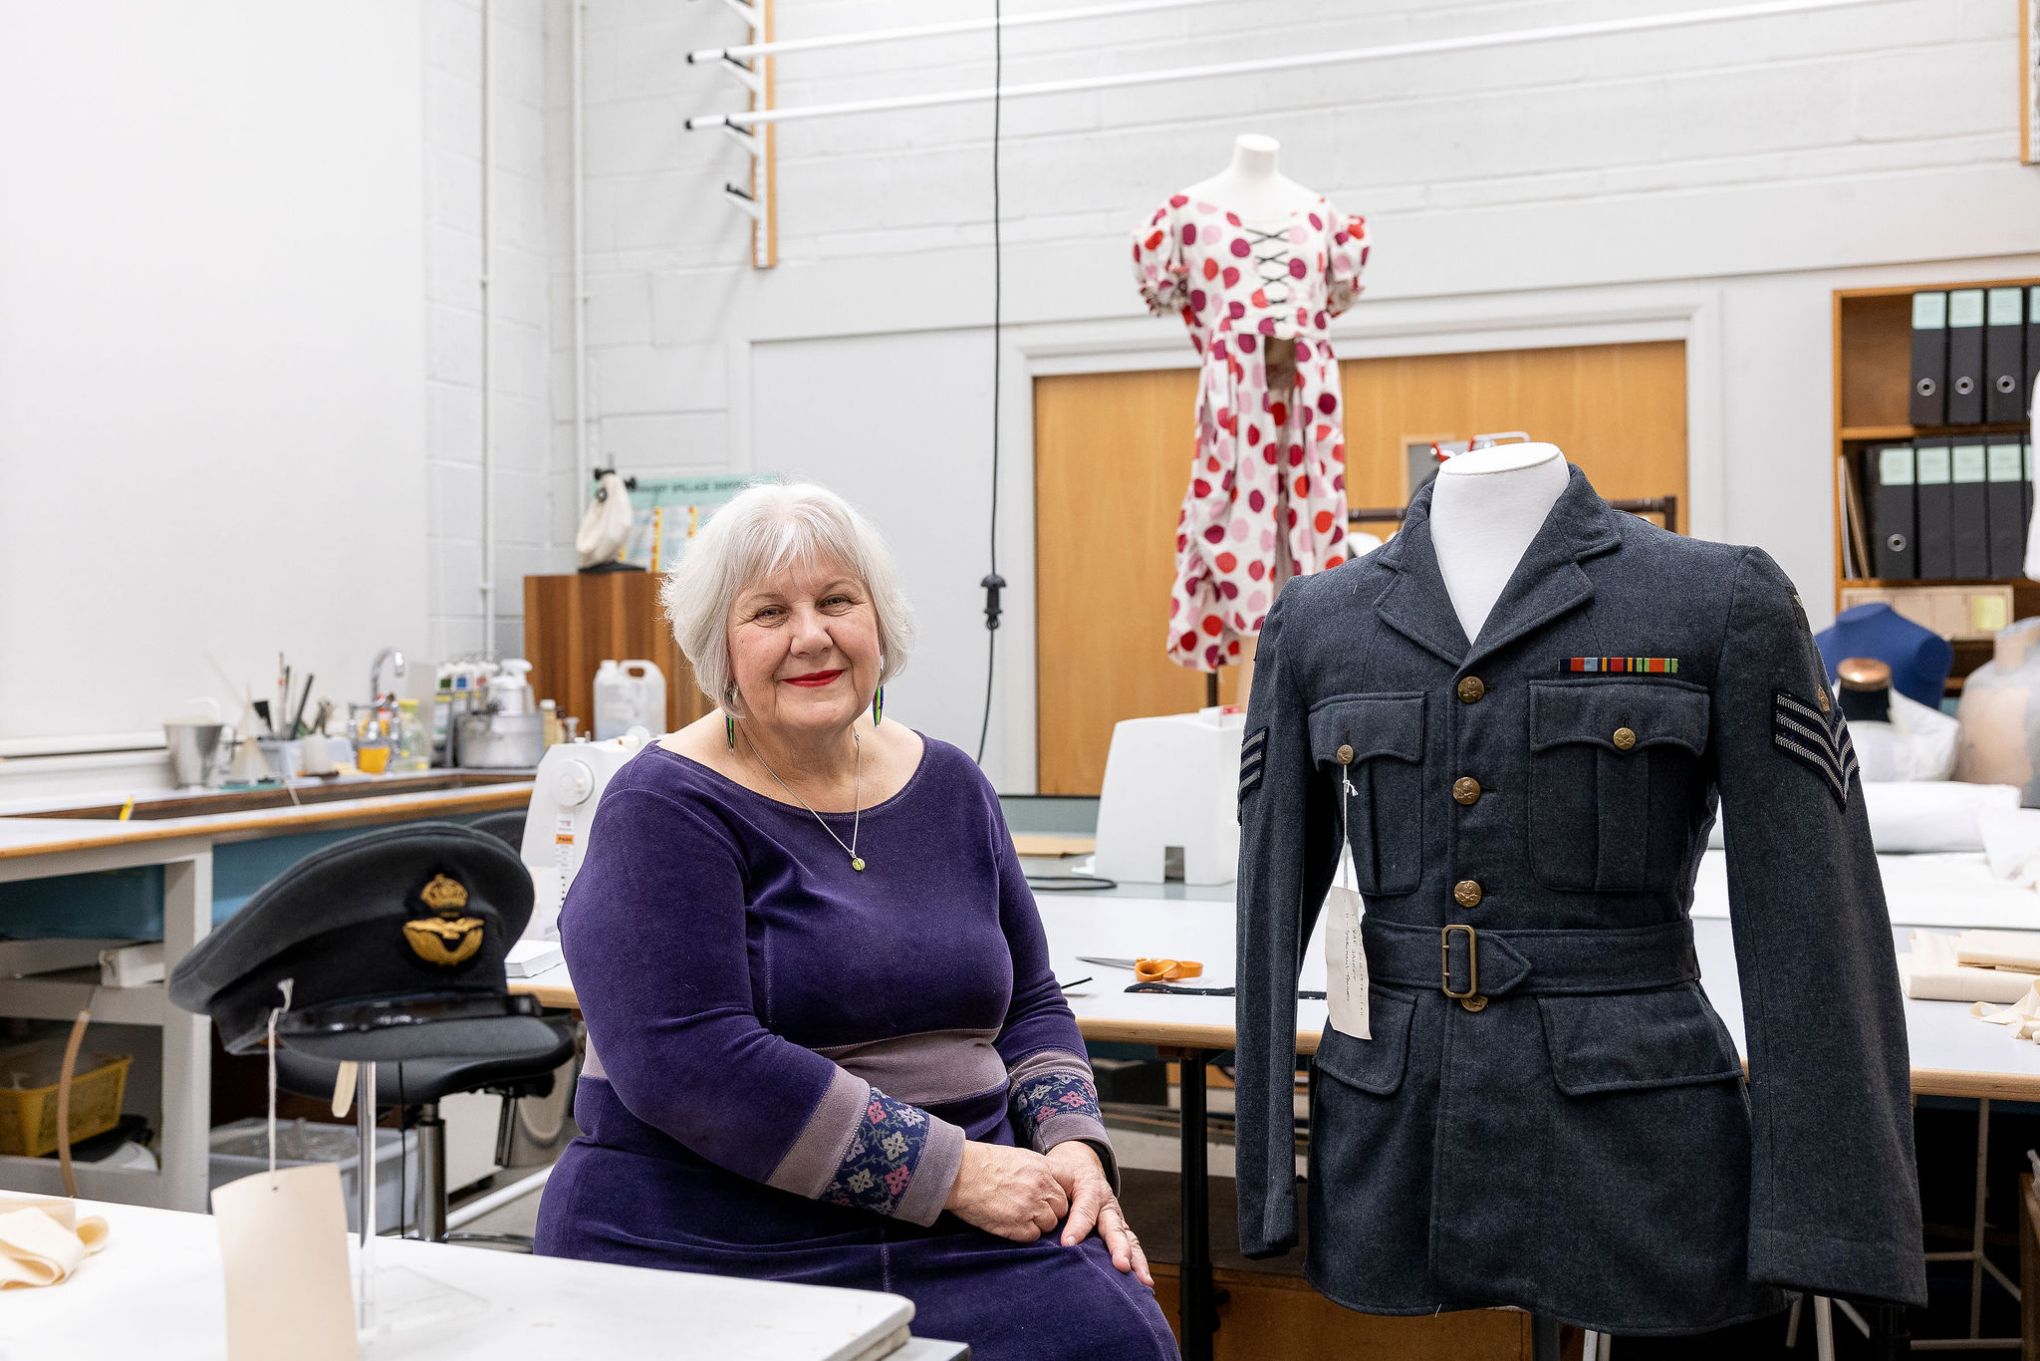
pixel 1346 964
pixel 283 1244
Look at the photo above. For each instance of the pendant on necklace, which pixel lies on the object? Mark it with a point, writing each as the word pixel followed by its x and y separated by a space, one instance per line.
pixel 857 863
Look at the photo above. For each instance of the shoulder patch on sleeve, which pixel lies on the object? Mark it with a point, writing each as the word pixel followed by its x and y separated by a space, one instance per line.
pixel 1816 739
pixel 1251 753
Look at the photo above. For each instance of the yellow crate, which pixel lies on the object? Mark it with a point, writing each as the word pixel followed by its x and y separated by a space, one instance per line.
pixel 28 1115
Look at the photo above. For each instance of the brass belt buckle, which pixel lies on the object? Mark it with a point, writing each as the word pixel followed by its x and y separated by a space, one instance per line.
pixel 1471 998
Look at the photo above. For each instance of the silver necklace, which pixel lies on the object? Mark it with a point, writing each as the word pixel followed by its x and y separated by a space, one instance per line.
pixel 856 800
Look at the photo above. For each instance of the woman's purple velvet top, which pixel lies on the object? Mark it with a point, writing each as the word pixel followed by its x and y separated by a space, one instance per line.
pixel 756 1004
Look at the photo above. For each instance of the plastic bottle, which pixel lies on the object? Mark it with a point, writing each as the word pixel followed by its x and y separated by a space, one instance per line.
pixel 414 740
pixel 629 695
pixel 511 691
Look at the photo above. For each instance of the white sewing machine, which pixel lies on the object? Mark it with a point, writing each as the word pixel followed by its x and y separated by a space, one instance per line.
pixel 569 783
pixel 1169 807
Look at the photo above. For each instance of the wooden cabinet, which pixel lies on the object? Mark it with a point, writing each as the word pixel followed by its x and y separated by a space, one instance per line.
pixel 572 622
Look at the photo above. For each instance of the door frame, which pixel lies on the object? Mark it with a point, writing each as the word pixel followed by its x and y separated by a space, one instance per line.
pixel 1378 329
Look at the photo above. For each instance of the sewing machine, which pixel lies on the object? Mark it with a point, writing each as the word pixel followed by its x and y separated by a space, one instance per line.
pixel 569 784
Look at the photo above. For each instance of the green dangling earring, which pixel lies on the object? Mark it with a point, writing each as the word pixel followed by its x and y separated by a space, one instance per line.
pixel 729 723
pixel 878 707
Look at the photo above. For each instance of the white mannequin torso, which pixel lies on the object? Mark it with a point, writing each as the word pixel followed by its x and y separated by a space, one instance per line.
pixel 1251 188
pixel 1486 507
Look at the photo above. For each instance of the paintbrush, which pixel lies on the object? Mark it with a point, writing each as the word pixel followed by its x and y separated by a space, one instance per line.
pixel 262 712
pixel 297 722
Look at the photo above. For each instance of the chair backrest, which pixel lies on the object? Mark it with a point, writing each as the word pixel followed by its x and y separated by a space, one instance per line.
pixel 507 826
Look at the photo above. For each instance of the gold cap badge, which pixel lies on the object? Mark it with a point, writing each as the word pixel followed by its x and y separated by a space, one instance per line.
pixel 438 940
pixel 444 895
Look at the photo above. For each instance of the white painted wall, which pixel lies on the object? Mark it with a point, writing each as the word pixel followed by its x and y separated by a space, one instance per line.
pixel 527 520
pixel 212 431
pixel 1712 184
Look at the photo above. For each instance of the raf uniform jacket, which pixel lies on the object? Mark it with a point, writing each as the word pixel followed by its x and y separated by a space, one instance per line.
pixel 1570 1130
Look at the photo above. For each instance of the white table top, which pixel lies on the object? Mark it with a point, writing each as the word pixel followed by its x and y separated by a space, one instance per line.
pixel 155 1292
pixel 1953 1054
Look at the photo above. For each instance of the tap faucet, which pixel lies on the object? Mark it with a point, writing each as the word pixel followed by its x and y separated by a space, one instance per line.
pixel 387 655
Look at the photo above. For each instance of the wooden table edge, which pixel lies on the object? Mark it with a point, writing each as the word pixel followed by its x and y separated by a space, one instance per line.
pixel 308 817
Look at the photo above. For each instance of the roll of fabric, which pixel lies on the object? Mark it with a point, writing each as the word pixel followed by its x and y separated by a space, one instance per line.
pixel 1934 972
pixel 43 1240
pixel 2018 950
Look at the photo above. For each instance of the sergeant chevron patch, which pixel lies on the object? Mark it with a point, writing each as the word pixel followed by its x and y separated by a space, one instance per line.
pixel 1251 752
pixel 1820 740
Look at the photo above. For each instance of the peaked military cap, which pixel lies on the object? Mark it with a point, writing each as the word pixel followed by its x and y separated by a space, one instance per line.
pixel 393 944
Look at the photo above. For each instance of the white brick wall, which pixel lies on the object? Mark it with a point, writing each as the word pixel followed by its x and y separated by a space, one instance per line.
pixel 527 533
pixel 1757 165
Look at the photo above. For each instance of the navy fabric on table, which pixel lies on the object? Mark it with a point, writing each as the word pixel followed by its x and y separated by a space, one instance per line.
pixel 786 1056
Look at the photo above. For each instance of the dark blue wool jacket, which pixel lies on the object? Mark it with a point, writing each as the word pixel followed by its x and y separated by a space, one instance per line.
pixel 1549 1113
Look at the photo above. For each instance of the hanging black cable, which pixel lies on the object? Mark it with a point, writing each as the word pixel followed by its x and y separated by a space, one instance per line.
pixel 993 582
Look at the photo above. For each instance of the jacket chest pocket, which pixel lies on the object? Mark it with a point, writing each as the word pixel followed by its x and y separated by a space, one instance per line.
pixel 1377 743
pixel 1616 782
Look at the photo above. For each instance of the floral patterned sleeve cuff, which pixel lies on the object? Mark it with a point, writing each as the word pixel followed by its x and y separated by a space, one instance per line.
pixel 1054 1101
pixel 900 1161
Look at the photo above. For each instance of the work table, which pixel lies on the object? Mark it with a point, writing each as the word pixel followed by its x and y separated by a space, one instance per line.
pixel 71 825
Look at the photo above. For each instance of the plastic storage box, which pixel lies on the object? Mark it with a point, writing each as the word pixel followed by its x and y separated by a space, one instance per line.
pixel 28 1097
pixel 241 1149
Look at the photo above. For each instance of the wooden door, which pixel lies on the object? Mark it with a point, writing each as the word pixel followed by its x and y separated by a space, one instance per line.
pixel 1112 450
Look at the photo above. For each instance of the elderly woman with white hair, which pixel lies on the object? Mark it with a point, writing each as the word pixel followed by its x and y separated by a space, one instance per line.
pixel 821 1051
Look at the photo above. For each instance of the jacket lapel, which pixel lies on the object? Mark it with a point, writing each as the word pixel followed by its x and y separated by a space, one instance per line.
pixel 1548 581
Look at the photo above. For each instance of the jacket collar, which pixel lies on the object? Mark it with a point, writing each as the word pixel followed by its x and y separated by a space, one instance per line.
pixel 1547 581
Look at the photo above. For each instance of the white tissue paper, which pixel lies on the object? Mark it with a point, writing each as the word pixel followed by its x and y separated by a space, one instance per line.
pixel 1920 816
pixel 2011 842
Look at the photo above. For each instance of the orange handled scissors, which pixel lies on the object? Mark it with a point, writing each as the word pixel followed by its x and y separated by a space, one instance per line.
pixel 1151 970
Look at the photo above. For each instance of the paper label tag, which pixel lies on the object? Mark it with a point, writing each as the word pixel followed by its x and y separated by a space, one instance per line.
pixel 283 1247
pixel 1346 964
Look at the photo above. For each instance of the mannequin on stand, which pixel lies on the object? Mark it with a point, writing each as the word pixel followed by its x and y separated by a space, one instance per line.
pixel 1255 191
pixel 1256 266
pixel 1487 507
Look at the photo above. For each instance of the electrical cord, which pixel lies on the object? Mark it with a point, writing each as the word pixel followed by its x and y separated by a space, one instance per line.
pixel 993 582
pixel 1070 883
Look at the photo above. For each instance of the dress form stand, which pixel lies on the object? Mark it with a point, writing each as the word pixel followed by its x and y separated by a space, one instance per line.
pixel 1487 506
pixel 1255 191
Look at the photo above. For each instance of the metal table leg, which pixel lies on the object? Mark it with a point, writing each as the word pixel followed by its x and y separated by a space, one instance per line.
pixel 1198 1320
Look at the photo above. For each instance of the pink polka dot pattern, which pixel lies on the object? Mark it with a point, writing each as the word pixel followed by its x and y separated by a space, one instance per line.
pixel 1261 457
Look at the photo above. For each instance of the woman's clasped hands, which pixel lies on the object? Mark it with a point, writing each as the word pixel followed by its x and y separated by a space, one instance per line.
pixel 1018 1194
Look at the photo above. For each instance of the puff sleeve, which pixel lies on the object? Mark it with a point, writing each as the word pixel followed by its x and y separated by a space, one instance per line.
pixel 1345 261
pixel 1158 268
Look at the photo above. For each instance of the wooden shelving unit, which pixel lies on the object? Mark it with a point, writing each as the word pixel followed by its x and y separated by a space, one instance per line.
pixel 1873 381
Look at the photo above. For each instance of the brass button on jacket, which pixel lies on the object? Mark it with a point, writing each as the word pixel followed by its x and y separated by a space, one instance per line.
pixel 1466 790
pixel 1345 753
pixel 1467 893
pixel 1471 688
pixel 1625 738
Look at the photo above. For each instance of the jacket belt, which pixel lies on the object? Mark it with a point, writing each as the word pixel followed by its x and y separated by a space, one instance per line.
pixel 1465 960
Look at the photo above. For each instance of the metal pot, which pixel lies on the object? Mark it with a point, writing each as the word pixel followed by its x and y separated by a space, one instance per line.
pixel 500 741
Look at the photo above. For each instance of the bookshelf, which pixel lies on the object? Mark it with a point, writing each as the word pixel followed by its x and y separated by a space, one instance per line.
pixel 1873 381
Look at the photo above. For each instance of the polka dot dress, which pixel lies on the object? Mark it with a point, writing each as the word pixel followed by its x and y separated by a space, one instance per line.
pixel 1267 494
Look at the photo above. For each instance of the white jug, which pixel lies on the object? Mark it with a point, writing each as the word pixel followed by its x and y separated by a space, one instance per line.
pixel 627 695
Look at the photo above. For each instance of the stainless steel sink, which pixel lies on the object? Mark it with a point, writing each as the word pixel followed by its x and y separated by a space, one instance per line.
pixel 251 800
